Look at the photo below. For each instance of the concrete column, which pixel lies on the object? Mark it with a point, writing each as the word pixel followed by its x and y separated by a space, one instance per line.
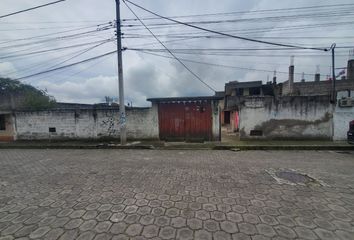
pixel 291 75
pixel 350 70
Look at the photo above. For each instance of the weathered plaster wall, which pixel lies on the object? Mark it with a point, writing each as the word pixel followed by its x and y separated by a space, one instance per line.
pixel 287 117
pixel 341 117
pixel 341 121
pixel 215 111
pixel 86 124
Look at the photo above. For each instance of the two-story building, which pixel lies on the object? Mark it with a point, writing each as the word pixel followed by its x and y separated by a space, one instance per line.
pixel 235 93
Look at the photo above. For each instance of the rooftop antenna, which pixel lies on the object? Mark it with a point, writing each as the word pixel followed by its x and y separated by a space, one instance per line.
pixel 317 74
pixel 303 77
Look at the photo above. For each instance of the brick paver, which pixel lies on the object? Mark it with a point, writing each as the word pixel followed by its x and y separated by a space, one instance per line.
pixel 144 194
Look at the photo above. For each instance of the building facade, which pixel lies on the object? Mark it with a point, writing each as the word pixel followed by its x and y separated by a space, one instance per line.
pixel 290 110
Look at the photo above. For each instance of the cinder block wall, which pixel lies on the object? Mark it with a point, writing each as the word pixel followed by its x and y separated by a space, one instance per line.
pixel 86 124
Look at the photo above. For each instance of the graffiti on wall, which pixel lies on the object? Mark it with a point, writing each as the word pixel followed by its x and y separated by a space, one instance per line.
pixel 110 125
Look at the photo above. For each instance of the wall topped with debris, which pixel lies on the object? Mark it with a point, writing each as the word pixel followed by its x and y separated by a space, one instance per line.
pixel 288 117
pixel 63 124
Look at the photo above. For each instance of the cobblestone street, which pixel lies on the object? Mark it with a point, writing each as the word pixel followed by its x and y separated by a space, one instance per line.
pixel 151 194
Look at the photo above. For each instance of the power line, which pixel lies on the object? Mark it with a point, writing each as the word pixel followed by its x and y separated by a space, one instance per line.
pixel 79 54
pixel 218 65
pixel 75 73
pixel 45 35
pixel 247 32
pixel 35 66
pixel 76 35
pixel 263 29
pixel 174 56
pixel 55 22
pixel 32 8
pixel 214 49
pixel 67 66
pixel 137 35
pixel 248 12
pixel 325 15
pixel 223 54
pixel 53 49
pixel 224 34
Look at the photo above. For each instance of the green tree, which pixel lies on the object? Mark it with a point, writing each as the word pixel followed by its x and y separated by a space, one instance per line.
pixel 25 95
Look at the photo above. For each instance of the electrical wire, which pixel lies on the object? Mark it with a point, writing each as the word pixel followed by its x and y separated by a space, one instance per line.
pixel 32 67
pixel 325 15
pixel 32 8
pixel 251 12
pixel 259 30
pixel 75 73
pixel 51 50
pixel 221 33
pixel 222 54
pixel 75 36
pixel 220 65
pixel 81 53
pixel 214 49
pixel 174 56
pixel 46 35
pixel 66 66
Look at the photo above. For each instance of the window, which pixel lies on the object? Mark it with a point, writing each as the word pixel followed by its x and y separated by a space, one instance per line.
pixel 2 123
pixel 52 130
pixel 256 133
pixel 255 91
pixel 239 92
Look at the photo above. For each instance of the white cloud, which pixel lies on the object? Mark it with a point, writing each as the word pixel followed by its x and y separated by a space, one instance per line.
pixel 149 76
pixel 6 67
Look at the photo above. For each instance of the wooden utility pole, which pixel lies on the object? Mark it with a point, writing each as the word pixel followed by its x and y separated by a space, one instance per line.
pixel 122 116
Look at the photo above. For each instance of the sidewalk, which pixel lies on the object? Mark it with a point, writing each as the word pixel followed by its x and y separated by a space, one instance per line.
pixel 234 145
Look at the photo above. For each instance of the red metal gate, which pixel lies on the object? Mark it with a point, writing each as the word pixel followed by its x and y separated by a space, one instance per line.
pixel 185 120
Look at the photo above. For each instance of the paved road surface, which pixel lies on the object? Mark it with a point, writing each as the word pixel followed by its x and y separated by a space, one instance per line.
pixel 133 194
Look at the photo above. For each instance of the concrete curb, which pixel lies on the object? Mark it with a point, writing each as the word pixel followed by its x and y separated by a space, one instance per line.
pixel 74 147
pixel 286 147
pixel 182 147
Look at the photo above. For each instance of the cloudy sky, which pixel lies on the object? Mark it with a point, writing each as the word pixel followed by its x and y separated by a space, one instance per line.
pixel 75 30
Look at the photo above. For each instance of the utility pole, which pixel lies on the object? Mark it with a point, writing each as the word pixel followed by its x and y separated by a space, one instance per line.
pixel 122 116
pixel 334 97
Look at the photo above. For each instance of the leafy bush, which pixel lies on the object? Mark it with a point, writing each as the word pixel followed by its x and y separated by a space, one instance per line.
pixel 26 96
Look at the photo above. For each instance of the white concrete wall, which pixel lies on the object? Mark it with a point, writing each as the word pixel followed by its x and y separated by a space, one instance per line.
pixel 286 118
pixel 341 118
pixel 86 124
pixel 341 121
